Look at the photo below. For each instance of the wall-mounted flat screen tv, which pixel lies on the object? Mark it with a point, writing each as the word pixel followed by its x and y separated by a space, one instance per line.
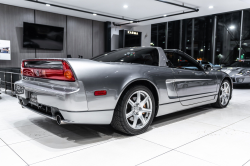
pixel 42 36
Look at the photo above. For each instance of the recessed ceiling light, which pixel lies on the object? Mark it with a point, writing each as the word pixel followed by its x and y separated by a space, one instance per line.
pixel 232 27
pixel 210 7
pixel 131 21
pixel 47 4
pixel 94 14
pixel 165 15
pixel 125 6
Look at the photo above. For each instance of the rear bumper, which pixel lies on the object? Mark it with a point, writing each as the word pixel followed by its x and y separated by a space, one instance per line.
pixel 69 102
pixel 86 117
pixel 65 98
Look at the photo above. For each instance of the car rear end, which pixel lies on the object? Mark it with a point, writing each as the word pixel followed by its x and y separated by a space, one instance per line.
pixel 50 88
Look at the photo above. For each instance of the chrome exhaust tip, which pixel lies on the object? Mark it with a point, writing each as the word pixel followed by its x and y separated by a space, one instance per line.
pixel 59 120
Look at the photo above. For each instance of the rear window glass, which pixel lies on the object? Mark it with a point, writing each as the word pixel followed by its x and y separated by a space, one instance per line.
pixel 146 56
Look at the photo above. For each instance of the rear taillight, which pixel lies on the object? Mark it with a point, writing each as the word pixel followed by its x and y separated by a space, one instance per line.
pixel 64 74
pixel 22 65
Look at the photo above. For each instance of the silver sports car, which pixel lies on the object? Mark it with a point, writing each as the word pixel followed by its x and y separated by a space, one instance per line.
pixel 239 71
pixel 126 88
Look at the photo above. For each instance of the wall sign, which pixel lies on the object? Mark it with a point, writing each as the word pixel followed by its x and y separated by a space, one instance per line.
pixel 132 33
pixel 5 50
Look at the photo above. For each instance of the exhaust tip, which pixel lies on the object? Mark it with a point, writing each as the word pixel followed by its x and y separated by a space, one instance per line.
pixel 58 119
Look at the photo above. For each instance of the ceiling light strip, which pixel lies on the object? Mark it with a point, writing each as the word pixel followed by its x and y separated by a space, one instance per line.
pixel 78 10
pixel 170 15
pixel 171 3
pixel 157 18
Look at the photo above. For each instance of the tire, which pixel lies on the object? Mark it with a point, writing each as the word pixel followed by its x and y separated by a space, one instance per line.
pixel 224 93
pixel 130 117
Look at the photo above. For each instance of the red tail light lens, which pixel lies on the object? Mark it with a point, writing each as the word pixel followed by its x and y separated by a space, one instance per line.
pixel 61 72
pixel 100 93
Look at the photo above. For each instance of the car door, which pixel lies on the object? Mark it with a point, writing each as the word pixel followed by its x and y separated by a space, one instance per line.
pixel 193 85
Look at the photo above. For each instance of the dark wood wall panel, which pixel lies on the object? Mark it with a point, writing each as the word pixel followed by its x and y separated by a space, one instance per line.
pixel 98 38
pixel 52 20
pixel 79 36
pixel 11 28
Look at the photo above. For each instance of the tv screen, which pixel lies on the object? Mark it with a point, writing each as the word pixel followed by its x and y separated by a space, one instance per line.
pixel 42 36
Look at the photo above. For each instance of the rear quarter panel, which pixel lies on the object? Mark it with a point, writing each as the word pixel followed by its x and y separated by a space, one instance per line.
pixel 114 78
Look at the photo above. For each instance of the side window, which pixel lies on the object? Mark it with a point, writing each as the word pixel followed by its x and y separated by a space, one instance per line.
pixel 146 57
pixel 180 61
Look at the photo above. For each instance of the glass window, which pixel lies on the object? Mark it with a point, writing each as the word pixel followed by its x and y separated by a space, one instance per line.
pixel 174 35
pixel 245 53
pixel 146 56
pixel 181 61
pixel 203 28
pixel 162 35
pixel 186 36
pixel 154 34
pixel 227 37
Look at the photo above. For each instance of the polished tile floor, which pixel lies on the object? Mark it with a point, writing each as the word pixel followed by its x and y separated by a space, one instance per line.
pixel 202 136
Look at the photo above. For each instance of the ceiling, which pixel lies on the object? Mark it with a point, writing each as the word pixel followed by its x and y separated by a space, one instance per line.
pixel 137 9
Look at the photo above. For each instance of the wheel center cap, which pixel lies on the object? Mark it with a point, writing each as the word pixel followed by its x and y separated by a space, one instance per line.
pixel 137 109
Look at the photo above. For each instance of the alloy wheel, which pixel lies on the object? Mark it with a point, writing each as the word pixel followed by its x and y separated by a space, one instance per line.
pixel 225 93
pixel 139 109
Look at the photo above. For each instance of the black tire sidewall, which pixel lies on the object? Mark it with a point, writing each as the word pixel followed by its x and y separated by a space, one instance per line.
pixel 124 104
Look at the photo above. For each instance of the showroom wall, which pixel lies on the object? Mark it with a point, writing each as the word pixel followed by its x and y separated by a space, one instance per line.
pixel 81 36
pixel 220 38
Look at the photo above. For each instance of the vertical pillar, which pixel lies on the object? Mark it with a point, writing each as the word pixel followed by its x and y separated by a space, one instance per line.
pixel 157 36
pixel 107 37
pixel 214 40
pixel 192 40
pixel 184 36
pixel 241 28
pixel 166 36
pixel 180 42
